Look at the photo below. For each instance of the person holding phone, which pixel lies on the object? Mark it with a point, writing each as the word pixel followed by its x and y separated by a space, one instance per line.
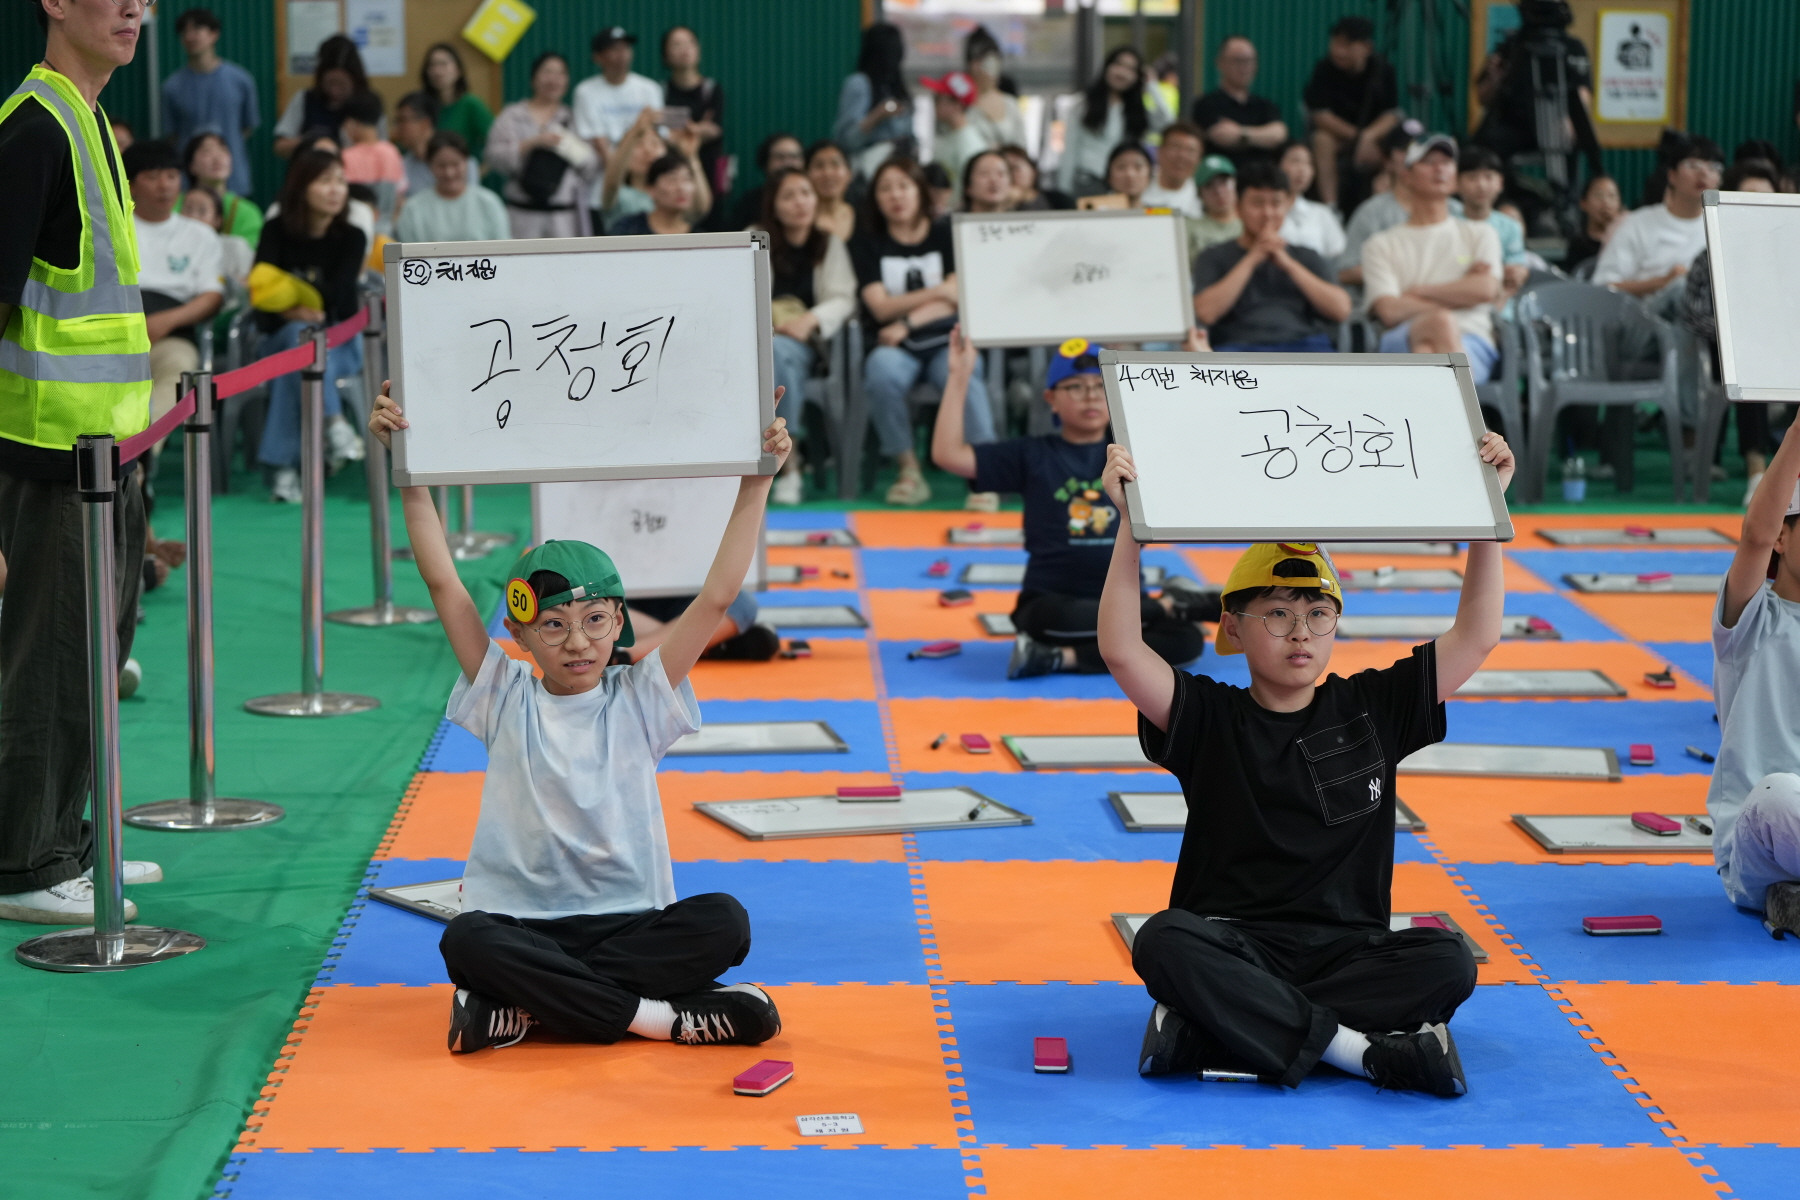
pixel 692 99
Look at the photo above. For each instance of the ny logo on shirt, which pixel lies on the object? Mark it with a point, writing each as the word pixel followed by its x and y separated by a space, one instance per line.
pixel 1375 790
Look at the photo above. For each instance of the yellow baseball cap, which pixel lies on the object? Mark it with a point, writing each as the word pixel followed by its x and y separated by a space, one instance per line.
pixel 1255 568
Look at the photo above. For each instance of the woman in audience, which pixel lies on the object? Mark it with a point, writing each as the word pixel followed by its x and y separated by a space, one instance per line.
pixel 994 115
pixel 906 275
pixel 987 183
pixel 813 292
pixel 628 192
pixel 236 255
pixel 543 191
pixel 338 76
pixel 460 111
pixel 674 186
pixel 1309 223
pixel 316 256
pixel 829 169
pixel 703 98
pixel 874 117
pixel 1601 208
pixel 1128 172
pixel 1027 195
pixel 454 210
pixel 207 163
pixel 1116 108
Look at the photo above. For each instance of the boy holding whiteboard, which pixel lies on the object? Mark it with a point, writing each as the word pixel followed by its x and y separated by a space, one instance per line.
pixel 1275 952
pixel 569 918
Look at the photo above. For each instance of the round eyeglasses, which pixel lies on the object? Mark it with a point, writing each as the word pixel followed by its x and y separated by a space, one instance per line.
pixel 1281 623
pixel 596 626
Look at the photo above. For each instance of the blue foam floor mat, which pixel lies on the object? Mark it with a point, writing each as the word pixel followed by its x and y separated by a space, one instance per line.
pixel 689 1174
pixel 979 673
pixel 1666 724
pixel 1528 1071
pixel 1755 1172
pixel 905 568
pixel 781 518
pixel 1696 658
pixel 1705 937
pixel 1552 565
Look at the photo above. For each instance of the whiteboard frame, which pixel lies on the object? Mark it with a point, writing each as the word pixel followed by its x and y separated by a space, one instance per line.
pixel 1183 260
pixel 1500 531
pixel 395 253
pixel 1711 202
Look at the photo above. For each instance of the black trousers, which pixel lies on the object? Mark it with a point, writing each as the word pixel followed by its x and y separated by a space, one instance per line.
pixel 1060 620
pixel 1267 996
pixel 582 977
pixel 44 747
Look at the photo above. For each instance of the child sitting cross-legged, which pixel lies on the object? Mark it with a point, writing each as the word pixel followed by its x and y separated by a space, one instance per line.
pixel 1275 951
pixel 569 918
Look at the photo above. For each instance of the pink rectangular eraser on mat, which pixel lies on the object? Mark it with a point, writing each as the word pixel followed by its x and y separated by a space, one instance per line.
pixel 1430 922
pixel 1655 577
pixel 1619 926
pixel 763 1078
pixel 884 791
pixel 1050 1056
pixel 1642 754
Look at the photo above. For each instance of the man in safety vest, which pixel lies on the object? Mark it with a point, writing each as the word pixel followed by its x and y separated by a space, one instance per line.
pixel 74 359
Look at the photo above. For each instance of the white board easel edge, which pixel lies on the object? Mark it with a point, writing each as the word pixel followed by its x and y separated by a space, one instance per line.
pixel 1711 200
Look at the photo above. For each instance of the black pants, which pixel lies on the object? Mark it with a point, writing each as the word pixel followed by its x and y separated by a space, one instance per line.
pixel 1267 996
pixel 1060 620
pixel 582 977
pixel 44 747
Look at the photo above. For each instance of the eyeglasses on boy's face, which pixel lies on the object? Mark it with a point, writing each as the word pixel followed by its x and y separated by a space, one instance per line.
pixel 1281 622
pixel 1081 385
pixel 596 626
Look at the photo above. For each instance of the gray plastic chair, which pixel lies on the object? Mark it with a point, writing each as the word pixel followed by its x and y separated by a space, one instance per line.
pixel 1573 333
pixel 1713 406
pixel 1501 393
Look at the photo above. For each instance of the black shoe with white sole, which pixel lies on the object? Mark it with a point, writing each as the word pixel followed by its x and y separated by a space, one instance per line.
pixel 1031 657
pixel 739 1015
pixel 476 1023
pixel 1425 1061
pixel 1170 1047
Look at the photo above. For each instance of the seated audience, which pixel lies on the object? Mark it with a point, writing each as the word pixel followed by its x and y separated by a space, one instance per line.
pixel 207 161
pixel 1479 181
pixel 456 209
pixel 829 169
pixel 1601 210
pixel 987 183
pixel 938 188
pixel 1309 223
pixel 1118 106
pixel 1176 160
pixel 1238 124
pixel 414 123
pixel 956 139
pixel 777 152
pixel 1387 207
pixel 235 254
pixel 338 74
pixel 371 160
pixel 1256 292
pixel 1352 100
pixel 875 109
pixel 533 144
pixel 1649 252
pixel 1218 219
pixel 675 197
pixel 455 109
pixel 1027 195
pixel 995 113
pixel 180 269
pixel 1128 173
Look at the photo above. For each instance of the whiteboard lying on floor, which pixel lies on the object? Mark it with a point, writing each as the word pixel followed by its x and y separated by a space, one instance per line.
pixel 1303 448
pixel 662 534
pixel 1518 762
pixel 1167 812
pixel 1567 833
pixel 828 816
pixel 1050 752
pixel 1672 536
pixel 1039 278
pixel 1412 626
pixel 1640 585
pixel 581 358
pixel 761 737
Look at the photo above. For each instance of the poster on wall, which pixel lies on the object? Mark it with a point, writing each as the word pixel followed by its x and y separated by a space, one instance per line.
pixel 309 22
pixel 1632 67
pixel 378 27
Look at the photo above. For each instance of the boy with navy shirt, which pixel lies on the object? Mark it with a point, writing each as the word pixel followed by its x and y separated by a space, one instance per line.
pixel 1069 522
pixel 1275 951
pixel 569 918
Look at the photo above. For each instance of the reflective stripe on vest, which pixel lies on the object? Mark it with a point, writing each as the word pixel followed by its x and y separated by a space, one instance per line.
pixel 75 358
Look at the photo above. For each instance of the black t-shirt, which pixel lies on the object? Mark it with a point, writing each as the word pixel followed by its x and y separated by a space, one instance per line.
pixel 332 264
pixel 903 267
pixel 797 279
pixel 1069 522
pixel 1581 248
pixel 1217 106
pixel 704 101
pixel 1271 309
pixel 1291 815
pixel 1358 98
pixel 42 220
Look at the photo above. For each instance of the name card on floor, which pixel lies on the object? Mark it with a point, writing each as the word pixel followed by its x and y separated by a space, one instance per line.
pixel 826 1124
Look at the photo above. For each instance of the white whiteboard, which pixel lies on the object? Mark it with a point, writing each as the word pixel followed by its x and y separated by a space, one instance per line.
pixel 1029 279
pixel 1753 241
pixel 580 358
pixel 1303 447
pixel 662 534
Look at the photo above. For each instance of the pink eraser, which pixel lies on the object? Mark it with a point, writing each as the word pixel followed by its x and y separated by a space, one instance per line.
pixel 976 743
pixel 1656 823
pixel 1429 921
pixel 1639 531
pixel 936 650
pixel 974 526
pixel 1655 576
pixel 1605 926
pixel 884 791
pixel 809 572
pixel 1643 754
pixel 1538 623
pixel 819 537
pixel 1049 1055
pixel 763 1078
pixel 940 567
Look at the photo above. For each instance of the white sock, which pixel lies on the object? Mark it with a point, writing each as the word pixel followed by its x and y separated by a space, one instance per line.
pixel 656 1019
pixel 1345 1052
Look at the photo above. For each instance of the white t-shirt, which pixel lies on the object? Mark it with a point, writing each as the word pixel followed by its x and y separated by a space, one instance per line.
pixel 1184 199
pixel 1755 667
pixel 1647 243
pixel 571 822
pixel 1315 226
pixel 179 257
pixel 1409 255
pixel 606 110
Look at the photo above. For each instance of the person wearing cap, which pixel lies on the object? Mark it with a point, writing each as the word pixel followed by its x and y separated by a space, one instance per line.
pixel 608 104
pixel 181 272
pixel 569 917
pixel 1433 281
pixel 1069 522
pixel 1389 205
pixel 1275 951
pixel 1218 220
pixel 957 139
pixel 1754 797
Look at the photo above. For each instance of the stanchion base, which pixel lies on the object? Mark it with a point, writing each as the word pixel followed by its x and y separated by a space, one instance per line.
pixel 489 539
pixel 316 704
pixel 466 547
pixel 78 949
pixel 185 816
pixel 393 614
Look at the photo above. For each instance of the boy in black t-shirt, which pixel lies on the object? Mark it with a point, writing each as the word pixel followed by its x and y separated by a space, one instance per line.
pixel 1275 951
pixel 1069 522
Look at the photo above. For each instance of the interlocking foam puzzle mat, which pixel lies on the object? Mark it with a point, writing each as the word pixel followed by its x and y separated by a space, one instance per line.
pixel 913 971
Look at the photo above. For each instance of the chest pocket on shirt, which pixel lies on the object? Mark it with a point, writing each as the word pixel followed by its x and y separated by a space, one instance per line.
pixel 1347 768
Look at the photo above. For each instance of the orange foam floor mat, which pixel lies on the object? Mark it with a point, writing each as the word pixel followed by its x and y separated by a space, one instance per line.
pixel 917 724
pixel 1526 525
pixel 1624 663
pixel 828 559
pixel 1215 567
pixel 367 1069
pixel 1470 820
pixel 914 614
pixel 437 817
pixel 837 669
pixel 1671 618
pixel 1719 1060
pixel 916 530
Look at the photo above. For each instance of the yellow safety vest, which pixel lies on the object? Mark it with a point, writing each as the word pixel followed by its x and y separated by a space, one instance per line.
pixel 75 357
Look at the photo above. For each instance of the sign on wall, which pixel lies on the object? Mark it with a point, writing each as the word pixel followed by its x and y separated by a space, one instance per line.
pixel 1631 67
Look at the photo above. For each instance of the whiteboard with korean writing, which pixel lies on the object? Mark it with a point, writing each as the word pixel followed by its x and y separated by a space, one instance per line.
pixel 580 358
pixel 1039 278
pixel 662 534
pixel 1753 244
pixel 1303 447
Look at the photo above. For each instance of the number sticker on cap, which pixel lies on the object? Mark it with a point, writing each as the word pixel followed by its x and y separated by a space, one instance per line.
pixel 521 601
pixel 1073 348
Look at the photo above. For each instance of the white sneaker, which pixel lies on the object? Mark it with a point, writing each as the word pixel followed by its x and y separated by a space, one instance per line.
pixel 286 487
pixel 790 488
pixel 135 872
pixel 130 676
pixel 1750 488
pixel 70 902
pixel 343 442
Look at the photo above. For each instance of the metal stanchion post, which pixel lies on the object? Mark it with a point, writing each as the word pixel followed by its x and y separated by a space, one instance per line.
pixel 109 944
pixel 203 810
pixel 487 541
pixel 375 464
pixel 312 700
pixel 464 546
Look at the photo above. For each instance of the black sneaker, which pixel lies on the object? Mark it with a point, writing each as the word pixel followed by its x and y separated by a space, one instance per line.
pixel 1193 602
pixel 739 1015
pixel 1425 1061
pixel 756 644
pixel 477 1023
pixel 1169 1045
pixel 1031 658
pixel 1781 909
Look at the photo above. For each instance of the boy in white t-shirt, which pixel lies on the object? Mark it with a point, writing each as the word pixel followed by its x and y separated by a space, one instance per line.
pixel 569 918
pixel 180 273
pixel 1754 800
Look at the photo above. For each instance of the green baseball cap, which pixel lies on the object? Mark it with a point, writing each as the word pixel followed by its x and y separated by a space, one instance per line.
pixel 1211 167
pixel 590 575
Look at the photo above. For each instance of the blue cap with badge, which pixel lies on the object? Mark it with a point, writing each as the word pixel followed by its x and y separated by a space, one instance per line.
pixel 1076 356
